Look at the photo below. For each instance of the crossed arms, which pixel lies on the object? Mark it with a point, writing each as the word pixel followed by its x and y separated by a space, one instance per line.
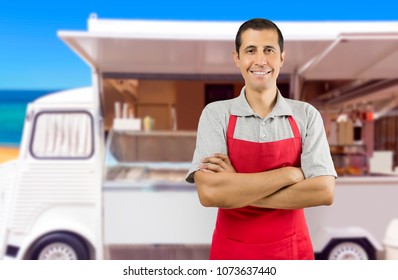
pixel 284 188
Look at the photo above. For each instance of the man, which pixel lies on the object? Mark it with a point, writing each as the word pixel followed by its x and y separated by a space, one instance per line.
pixel 261 158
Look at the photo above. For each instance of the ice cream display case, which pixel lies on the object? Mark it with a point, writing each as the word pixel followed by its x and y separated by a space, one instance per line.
pixel 150 212
pixel 149 159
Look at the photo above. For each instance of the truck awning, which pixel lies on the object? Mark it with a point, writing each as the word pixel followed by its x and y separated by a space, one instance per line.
pixel 356 56
pixel 316 50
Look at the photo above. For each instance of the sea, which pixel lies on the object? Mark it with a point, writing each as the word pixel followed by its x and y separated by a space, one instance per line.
pixel 13 105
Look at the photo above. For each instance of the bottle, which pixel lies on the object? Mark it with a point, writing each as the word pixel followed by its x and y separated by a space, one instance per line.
pixel 148 123
pixel 369 111
pixel 354 112
pixel 362 111
pixel 358 131
pixel 341 121
pixel 345 126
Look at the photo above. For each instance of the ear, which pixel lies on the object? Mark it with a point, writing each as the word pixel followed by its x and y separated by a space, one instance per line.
pixel 236 59
pixel 282 57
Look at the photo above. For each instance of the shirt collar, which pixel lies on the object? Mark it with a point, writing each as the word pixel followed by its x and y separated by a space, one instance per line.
pixel 240 106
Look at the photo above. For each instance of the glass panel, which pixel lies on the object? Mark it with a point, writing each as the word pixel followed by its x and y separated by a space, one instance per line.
pixel 149 157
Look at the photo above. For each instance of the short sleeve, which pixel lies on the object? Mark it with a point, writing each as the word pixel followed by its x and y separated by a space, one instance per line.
pixel 316 159
pixel 210 139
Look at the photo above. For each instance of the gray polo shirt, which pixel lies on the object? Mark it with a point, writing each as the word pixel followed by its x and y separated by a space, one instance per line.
pixel 213 123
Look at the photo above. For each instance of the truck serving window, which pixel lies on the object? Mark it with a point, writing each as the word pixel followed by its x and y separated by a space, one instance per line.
pixel 62 135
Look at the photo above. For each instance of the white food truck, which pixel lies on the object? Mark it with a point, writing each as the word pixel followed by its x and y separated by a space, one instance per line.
pixel 94 181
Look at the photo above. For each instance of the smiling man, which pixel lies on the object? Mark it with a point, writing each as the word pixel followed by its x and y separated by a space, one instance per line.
pixel 261 158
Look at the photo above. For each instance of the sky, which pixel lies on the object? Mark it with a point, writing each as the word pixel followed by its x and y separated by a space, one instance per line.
pixel 32 57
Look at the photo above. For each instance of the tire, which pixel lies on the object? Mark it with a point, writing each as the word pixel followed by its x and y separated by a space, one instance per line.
pixel 349 249
pixel 59 246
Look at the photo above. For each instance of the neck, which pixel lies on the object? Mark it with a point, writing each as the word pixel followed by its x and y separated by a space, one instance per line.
pixel 262 103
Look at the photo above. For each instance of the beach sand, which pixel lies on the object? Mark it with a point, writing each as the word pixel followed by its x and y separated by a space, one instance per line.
pixel 8 153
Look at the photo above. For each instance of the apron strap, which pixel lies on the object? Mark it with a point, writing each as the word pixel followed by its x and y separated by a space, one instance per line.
pixel 293 125
pixel 231 126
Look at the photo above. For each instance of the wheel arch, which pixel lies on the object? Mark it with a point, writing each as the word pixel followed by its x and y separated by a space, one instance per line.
pixel 84 241
pixel 76 221
pixel 327 238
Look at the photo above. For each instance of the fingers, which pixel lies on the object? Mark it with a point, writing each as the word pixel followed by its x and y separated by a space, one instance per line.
pixel 214 160
pixel 224 157
pixel 217 163
pixel 211 168
pixel 221 156
pixel 206 170
pixel 213 164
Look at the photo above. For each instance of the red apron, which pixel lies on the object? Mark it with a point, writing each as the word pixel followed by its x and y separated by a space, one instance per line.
pixel 255 233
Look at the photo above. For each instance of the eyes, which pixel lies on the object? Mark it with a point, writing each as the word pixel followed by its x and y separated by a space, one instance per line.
pixel 267 50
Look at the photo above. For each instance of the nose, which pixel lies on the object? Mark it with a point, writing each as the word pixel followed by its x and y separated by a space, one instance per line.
pixel 261 59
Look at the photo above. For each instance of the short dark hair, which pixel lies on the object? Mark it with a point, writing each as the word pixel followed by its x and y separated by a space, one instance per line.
pixel 257 24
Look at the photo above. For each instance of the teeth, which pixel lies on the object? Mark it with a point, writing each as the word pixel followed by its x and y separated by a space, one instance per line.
pixel 259 73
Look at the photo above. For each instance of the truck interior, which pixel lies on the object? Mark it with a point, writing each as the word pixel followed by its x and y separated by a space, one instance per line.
pixel 170 71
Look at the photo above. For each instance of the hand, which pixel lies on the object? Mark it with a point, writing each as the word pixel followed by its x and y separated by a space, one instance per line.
pixel 217 163
pixel 296 173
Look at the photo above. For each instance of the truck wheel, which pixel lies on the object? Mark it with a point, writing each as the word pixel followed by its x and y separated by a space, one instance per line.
pixel 353 249
pixel 59 246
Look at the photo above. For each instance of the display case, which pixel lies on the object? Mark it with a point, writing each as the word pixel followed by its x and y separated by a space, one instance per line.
pixel 350 160
pixel 155 159
pixel 150 211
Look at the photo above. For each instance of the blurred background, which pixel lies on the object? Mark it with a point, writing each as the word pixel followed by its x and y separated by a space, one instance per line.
pixel 34 61
pixel 350 78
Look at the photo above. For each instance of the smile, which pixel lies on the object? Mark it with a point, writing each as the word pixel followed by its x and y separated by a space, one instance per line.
pixel 260 73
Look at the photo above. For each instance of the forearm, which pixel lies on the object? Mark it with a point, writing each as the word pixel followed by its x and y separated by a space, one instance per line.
pixel 307 193
pixel 233 190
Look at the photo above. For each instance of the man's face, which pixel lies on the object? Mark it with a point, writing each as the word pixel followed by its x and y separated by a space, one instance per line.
pixel 259 59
